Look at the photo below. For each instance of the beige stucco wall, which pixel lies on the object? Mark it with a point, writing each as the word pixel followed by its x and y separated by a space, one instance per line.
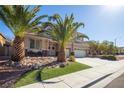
pixel 43 42
pixel 81 46
pixel 2 40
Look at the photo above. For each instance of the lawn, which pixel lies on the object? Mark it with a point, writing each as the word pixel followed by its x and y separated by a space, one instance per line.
pixel 54 72
pixel 47 73
pixel 28 78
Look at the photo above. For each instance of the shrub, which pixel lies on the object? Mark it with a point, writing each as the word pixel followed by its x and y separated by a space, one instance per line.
pixel 39 53
pixel 72 54
pixel 72 58
pixel 108 57
pixel 62 65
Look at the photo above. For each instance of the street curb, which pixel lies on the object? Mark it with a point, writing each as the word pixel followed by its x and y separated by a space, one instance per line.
pixel 103 83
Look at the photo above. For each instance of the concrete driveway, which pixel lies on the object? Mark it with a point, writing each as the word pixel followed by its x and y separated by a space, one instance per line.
pixel 94 62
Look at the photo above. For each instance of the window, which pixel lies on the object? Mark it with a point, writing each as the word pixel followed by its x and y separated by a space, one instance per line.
pixel 32 43
pixel 37 44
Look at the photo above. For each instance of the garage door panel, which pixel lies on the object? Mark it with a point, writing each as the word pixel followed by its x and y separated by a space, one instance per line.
pixel 80 53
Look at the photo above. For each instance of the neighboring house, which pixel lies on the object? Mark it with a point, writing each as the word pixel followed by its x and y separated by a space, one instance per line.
pixel 45 46
pixel 5 46
pixel 120 50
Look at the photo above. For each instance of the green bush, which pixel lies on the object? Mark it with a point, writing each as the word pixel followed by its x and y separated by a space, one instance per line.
pixel 72 57
pixel 108 57
pixel 72 54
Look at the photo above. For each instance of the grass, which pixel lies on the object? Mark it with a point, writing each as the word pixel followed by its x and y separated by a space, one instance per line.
pixel 54 72
pixel 28 78
pixel 47 73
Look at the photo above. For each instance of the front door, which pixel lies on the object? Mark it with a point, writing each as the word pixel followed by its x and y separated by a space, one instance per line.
pixel 52 50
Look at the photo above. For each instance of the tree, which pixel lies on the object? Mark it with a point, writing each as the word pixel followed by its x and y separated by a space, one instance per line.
pixel 94 46
pixel 105 47
pixel 62 30
pixel 20 19
pixel 110 48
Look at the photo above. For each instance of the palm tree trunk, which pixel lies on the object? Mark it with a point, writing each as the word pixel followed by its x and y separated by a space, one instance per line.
pixel 61 55
pixel 18 48
pixel 72 47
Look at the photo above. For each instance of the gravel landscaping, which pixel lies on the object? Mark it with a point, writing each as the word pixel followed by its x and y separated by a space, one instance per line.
pixel 30 61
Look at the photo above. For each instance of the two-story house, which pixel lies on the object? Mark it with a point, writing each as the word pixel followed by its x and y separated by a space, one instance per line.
pixel 44 45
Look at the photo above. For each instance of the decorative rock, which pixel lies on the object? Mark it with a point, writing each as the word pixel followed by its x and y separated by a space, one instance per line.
pixel 37 62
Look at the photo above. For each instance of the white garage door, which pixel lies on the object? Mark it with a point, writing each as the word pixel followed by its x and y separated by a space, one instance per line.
pixel 80 53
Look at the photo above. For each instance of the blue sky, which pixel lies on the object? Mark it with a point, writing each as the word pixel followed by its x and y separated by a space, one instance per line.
pixel 101 22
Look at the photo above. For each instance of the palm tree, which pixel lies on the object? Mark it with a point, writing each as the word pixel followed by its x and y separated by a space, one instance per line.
pixel 20 19
pixel 62 30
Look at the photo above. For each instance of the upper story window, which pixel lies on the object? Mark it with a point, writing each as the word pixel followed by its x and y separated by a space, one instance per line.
pixel 79 39
pixel 32 43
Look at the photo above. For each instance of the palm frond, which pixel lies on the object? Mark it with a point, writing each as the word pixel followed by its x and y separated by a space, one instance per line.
pixel 61 29
pixel 20 18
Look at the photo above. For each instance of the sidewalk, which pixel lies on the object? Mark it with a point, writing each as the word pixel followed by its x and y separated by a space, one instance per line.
pixel 82 78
